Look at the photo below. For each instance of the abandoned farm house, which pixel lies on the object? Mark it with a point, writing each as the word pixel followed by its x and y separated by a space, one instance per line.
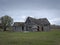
pixel 32 24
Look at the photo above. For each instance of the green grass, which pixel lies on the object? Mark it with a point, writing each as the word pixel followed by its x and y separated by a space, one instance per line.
pixel 30 38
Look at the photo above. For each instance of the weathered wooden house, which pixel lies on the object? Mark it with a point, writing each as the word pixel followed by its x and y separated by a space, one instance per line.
pixel 18 26
pixel 32 24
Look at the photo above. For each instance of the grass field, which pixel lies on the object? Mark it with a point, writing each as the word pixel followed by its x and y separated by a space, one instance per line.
pixel 30 38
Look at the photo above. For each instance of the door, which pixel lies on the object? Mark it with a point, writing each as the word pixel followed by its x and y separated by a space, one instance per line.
pixel 37 28
pixel 42 28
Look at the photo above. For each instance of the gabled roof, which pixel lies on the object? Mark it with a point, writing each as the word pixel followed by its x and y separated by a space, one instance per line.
pixel 18 23
pixel 40 21
pixel 44 21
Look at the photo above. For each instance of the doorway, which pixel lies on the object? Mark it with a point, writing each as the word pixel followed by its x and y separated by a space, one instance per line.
pixel 22 28
pixel 37 28
pixel 42 29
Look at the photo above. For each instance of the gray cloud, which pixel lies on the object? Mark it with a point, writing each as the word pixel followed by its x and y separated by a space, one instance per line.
pixel 30 4
pixel 36 8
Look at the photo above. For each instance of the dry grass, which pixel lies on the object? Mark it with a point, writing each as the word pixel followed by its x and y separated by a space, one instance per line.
pixel 30 38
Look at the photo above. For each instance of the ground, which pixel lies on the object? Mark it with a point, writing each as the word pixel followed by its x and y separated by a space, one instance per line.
pixel 30 38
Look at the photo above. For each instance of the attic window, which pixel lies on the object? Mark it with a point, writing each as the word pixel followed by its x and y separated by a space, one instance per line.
pixel 29 27
pixel 45 24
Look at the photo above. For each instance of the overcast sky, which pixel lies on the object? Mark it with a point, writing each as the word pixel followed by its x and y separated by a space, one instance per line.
pixel 20 9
